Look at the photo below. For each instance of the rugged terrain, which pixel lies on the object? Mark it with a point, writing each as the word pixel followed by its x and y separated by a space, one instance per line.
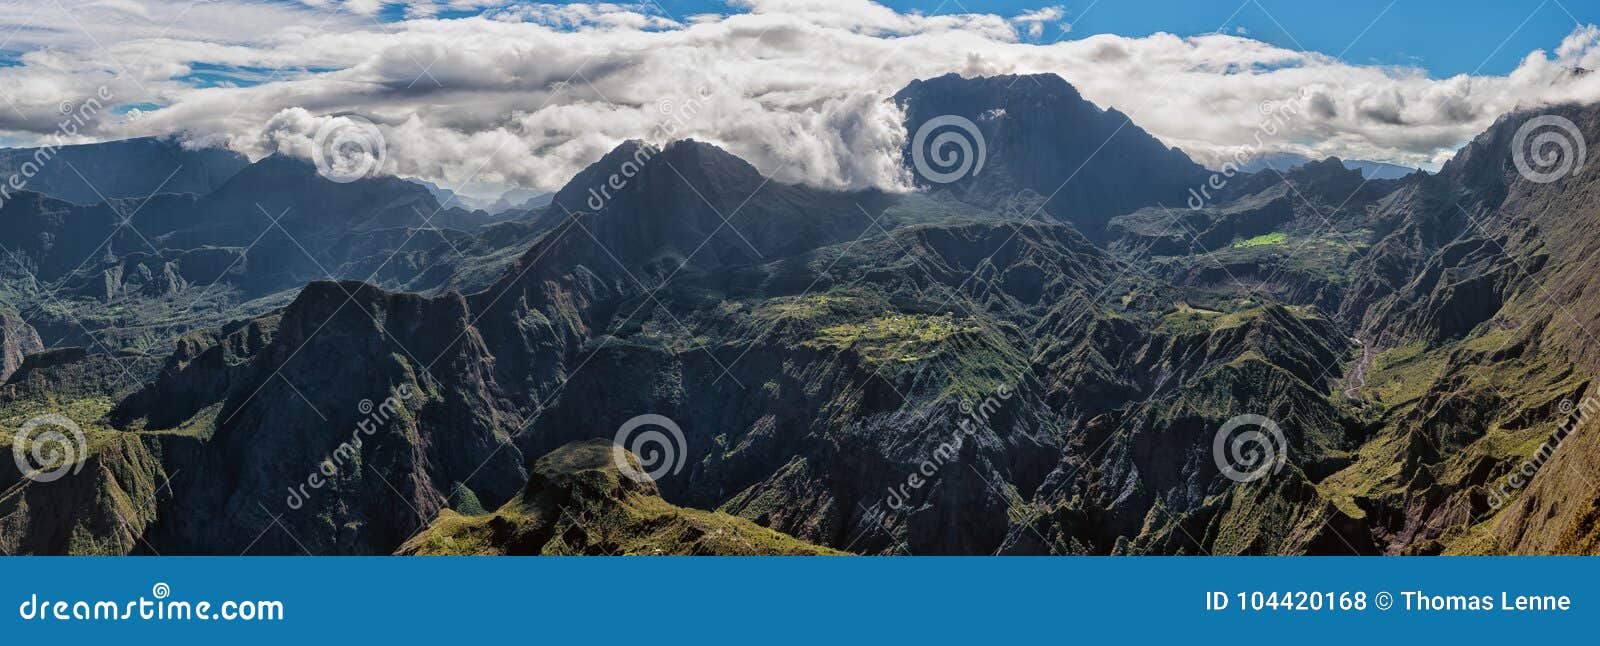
pixel 1036 359
pixel 577 502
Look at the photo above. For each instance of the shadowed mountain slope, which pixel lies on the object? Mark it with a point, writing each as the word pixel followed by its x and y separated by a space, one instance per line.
pixel 1040 136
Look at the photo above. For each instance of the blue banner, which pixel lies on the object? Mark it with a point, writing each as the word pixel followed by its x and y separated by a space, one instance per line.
pixel 794 600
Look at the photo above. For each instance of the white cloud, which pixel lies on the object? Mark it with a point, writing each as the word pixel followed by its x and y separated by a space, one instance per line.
pixel 581 16
pixel 530 92
pixel 1035 20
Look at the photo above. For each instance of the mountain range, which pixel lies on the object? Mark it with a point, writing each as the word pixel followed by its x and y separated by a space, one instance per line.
pixel 1285 161
pixel 1040 357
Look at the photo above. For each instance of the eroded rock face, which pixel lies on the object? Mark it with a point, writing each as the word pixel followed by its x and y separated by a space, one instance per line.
pixel 97 492
pixel 348 426
pixel 105 506
pixel 17 340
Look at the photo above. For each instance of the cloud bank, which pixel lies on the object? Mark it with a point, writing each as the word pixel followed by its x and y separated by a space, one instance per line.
pixel 526 94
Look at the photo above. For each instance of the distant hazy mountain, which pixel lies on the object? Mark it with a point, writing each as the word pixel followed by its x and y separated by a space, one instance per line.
pixel 278 207
pixel 187 259
pixel 520 199
pixel 512 202
pixel 132 168
pixel 443 195
pixel 1369 169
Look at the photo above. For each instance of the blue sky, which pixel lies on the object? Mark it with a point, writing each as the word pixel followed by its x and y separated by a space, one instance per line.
pixel 1445 37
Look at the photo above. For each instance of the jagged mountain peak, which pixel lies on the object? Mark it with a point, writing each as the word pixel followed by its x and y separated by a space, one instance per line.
pixel 1328 165
pixel 1490 161
pixel 684 165
pixel 1284 162
pixel 586 190
pixel 1040 86
pixel 688 206
pixel 709 159
pixel 1330 178
pixel 367 307
pixel 1039 136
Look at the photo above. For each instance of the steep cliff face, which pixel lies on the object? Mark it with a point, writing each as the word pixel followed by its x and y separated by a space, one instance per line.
pixel 103 506
pixel 17 340
pixel 1550 319
pixel 347 430
pixel 203 368
pixel 1144 477
pixel 90 490
pixel 133 168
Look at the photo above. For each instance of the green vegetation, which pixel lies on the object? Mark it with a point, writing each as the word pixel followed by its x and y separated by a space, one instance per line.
pixel 1404 374
pixel 1267 239
pixel 579 503
pixel 111 487
pixel 905 338
pixel 466 502
pixel 1188 319
pixel 807 307
pixel 1185 318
